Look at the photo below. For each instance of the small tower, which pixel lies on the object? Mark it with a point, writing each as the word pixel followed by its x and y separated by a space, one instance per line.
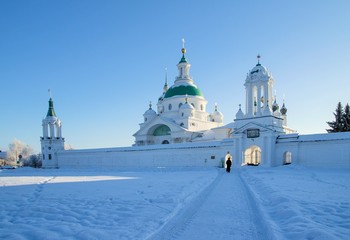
pixel 52 140
pixel 217 116
pixel 183 67
pixel 150 114
pixel 258 86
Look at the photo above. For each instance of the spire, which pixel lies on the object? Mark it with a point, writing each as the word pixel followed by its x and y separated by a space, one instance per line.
pixel 183 50
pixel 51 112
pixel 165 88
pixel 258 57
pixel 150 105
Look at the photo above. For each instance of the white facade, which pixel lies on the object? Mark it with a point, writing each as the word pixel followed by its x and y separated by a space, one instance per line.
pixel 181 113
pixel 52 140
pixel 259 136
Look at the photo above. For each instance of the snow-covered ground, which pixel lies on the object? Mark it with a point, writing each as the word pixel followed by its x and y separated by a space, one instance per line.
pixel 289 202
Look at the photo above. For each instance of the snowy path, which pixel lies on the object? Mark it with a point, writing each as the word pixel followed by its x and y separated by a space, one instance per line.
pixel 224 210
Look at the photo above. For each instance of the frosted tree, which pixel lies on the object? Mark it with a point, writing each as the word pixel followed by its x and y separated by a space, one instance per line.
pixel 18 149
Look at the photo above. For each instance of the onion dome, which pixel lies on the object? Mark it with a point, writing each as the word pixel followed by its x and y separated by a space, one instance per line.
pixel 150 111
pixel 240 113
pixel 275 106
pixel 283 110
pixel 183 59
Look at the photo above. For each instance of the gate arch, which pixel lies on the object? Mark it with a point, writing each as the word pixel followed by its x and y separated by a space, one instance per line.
pixel 252 155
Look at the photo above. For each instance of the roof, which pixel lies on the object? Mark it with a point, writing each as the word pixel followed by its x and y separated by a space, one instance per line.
pixel 51 112
pixel 183 90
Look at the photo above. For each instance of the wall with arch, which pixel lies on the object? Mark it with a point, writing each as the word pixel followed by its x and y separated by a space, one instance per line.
pixel 329 150
pixel 317 150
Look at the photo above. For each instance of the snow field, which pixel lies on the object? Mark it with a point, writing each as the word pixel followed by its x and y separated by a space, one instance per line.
pixel 289 202
pixel 303 203
pixel 93 204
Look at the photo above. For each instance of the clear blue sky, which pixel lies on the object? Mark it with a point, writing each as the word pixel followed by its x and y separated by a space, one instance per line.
pixel 104 61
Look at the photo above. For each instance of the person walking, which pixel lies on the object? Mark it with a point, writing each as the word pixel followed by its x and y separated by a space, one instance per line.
pixel 228 165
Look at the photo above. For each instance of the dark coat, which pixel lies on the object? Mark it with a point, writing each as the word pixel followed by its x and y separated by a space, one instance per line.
pixel 228 163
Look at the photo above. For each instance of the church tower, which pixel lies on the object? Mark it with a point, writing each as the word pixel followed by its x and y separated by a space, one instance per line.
pixel 261 106
pixel 181 112
pixel 52 140
pixel 258 84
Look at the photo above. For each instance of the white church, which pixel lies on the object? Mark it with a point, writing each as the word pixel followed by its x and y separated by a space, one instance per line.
pixel 182 133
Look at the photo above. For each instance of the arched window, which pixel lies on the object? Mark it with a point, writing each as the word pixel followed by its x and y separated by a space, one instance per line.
pixel 170 107
pixel 162 130
pixel 180 104
pixel 165 142
pixel 202 108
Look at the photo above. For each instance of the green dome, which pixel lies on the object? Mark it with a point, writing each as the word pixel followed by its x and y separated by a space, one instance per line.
pixel 183 90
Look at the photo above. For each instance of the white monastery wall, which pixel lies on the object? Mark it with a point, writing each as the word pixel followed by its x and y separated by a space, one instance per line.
pixel 329 150
pixel 317 150
pixel 170 155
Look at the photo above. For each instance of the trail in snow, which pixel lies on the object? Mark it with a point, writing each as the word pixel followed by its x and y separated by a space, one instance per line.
pixel 222 211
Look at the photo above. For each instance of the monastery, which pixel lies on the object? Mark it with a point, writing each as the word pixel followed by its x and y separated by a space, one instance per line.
pixel 182 133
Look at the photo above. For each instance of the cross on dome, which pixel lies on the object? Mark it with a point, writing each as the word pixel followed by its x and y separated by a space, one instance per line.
pixel 183 50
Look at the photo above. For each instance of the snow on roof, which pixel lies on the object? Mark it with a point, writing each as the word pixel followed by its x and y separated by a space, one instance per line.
pixel 325 137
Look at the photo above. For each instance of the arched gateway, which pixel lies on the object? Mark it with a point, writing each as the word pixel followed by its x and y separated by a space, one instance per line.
pixel 252 156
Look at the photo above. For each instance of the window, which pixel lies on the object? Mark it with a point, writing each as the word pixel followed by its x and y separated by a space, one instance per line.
pixel 202 108
pixel 193 105
pixel 43 156
pixel 170 107
pixel 161 131
pixel 50 157
pixel 180 104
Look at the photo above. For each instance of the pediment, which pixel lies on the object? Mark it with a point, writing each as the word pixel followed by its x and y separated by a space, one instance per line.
pixel 251 126
pixel 158 121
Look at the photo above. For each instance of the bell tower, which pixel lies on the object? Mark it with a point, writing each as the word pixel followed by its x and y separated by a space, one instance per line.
pixel 52 140
pixel 258 84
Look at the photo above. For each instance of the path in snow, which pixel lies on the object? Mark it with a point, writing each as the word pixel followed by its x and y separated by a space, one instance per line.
pixel 221 211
